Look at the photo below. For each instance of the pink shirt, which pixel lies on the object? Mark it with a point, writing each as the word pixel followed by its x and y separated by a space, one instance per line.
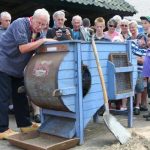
pixel 115 36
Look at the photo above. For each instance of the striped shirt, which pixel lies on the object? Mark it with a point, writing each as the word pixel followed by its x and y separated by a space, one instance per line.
pixel 140 52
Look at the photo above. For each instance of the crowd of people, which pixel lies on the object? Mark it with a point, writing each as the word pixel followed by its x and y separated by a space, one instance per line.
pixel 20 39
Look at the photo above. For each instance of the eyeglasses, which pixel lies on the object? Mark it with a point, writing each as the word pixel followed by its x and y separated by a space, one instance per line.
pixel 124 25
pixel 40 24
pixel 112 26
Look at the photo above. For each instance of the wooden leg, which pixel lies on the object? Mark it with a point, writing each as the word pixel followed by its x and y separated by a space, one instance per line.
pixel 130 113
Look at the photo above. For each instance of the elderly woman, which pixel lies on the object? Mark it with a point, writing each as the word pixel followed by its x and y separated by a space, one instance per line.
pixel 125 28
pixel 59 31
pixel 118 19
pixel 133 27
pixel 112 34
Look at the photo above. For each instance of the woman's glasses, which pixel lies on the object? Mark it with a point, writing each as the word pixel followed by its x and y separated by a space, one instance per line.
pixel 112 26
pixel 124 25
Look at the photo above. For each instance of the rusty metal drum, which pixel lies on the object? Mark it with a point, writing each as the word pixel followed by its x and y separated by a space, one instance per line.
pixel 51 75
pixel 41 76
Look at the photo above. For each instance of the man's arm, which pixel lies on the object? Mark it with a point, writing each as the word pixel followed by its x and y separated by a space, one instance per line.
pixel 24 48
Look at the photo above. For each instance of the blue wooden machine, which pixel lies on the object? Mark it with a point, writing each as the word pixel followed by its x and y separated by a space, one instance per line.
pixel 63 80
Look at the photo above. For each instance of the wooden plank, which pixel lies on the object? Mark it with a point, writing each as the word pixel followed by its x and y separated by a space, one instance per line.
pixel 92 63
pixel 69 57
pixel 64 145
pixel 110 47
pixel 66 83
pixel 90 55
pixel 66 74
pixel 66 65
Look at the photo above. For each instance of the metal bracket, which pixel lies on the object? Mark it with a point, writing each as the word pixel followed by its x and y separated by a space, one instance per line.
pixel 61 92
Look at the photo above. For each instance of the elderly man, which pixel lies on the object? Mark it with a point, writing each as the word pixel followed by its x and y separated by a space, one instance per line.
pixel 59 31
pixel 16 48
pixel 78 31
pixel 5 19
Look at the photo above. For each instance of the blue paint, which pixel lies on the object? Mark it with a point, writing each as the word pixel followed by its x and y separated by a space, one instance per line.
pixel 70 81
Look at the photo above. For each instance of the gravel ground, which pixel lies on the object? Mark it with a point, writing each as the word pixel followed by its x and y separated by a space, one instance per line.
pixel 98 137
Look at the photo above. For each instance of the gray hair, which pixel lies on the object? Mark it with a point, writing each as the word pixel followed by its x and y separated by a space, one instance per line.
pixel 5 14
pixel 117 18
pixel 110 21
pixel 77 17
pixel 125 21
pixel 42 12
pixel 134 23
pixel 59 13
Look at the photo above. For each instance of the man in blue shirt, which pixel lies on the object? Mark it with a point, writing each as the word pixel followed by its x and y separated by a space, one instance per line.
pixel 16 48
pixel 78 31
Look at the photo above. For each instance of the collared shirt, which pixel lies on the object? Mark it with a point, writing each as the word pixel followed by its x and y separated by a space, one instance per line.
pixel 81 34
pixel 76 35
pixel 125 37
pixel 12 61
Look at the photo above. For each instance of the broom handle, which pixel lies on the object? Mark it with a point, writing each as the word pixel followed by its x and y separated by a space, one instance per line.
pixel 100 72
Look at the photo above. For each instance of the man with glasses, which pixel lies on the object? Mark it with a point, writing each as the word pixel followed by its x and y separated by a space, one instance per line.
pixel 17 46
pixel 5 19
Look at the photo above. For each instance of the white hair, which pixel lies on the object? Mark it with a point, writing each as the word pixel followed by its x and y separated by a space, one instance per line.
pixel 5 14
pixel 134 23
pixel 125 21
pixel 59 13
pixel 117 18
pixel 77 17
pixel 42 12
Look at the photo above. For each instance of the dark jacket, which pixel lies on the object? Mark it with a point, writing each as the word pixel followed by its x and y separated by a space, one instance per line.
pixel 51 33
